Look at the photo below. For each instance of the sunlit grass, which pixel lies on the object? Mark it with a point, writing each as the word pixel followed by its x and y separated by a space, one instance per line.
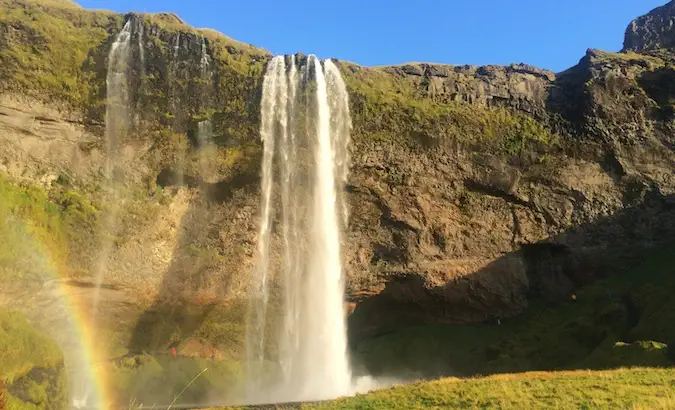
pixel 618 389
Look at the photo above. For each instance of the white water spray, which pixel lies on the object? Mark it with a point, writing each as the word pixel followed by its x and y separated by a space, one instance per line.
pixel 305 129
pixel 205 127
pixel 176 46
pixel 117 120
pixel 141 49
pixel 205 60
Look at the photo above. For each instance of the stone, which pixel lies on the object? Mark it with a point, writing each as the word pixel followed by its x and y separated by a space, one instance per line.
pixel 652 31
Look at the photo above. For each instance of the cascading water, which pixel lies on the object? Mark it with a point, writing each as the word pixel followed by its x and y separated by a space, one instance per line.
pixel 305 130
pixel 117 120
pixel 173 103
pixel 141 49
pixel 116 126
pixel 205 59
pixel 205 128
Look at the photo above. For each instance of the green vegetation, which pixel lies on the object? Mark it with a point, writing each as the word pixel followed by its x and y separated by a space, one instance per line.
pixel 56 51
pixel 22 348
pixel 31 366
pixel 47 45
pixel 219 327
pixel 390 107
pixel 43 232
pixel 144 380
pixel 642 59
pixel 618 389
pixel 625 320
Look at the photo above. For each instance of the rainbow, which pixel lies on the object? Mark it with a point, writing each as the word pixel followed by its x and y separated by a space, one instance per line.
pixel 87 377
pixel 66 318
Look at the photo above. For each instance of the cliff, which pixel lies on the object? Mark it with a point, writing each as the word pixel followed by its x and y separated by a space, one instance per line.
pixel 652 31
pixel 473 190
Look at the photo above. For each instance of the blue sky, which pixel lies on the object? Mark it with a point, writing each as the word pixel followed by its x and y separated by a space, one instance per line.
pixel 553 34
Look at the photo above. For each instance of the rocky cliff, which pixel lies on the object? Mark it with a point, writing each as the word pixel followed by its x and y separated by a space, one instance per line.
pixel 652 31
pixel 472 189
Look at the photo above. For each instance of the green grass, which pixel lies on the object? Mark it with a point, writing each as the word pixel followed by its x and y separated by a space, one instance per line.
pixel 387 107
pixel 145 379
pixel 49 43
pixel 43 230
pixel 618 389
pixel 22 348
pixel 587 333
pixel 31 366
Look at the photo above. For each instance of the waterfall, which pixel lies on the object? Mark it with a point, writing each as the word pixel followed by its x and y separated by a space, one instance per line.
pixel 176 47
pixel 205 59
pixel 205 127
pixel 141 49
pixel 206 160
pixel 117 121
pixel 117 118
pixel 174 98
pixel 117 95
pixel 305 131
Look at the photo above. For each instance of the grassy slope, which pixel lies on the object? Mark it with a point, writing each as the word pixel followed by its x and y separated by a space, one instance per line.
pixel 618 389
pixel 586 333
pixel 43 233
pixel 386 107
pixel 159 379
pixel 22 348
pixel 46 47
pixel 30 365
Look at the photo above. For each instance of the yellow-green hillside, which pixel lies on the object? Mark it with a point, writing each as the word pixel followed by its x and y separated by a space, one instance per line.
pixel 617 389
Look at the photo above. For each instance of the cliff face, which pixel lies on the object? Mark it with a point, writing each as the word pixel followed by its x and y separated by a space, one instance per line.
pixel 652 31
pixel 472 189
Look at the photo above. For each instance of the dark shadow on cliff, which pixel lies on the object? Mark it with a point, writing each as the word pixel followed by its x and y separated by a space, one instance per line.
pixel 190 303
pixel 594 296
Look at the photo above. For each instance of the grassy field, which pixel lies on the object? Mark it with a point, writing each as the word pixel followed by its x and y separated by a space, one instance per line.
pixel 621 321
pixel 638 388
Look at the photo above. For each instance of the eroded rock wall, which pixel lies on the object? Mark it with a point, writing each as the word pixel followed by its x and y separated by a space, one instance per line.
pixel 472 189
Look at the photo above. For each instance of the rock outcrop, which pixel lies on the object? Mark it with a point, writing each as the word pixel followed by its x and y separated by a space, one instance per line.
pixel 652 31
pixel 472 189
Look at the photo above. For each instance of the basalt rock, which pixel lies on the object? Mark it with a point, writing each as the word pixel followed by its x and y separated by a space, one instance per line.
pixel 652 31
pixel 472 189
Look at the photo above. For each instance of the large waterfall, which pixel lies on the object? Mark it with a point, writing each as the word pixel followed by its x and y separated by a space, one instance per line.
pixel 305 129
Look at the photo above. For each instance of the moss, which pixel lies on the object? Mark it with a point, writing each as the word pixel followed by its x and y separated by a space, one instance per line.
pixel 22 348
pixel 40 389
pixel 391 108
pixel 617 354
pixel 59 225
pixel 46 45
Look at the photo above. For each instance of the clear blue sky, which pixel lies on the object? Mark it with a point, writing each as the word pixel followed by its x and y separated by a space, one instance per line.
pixel 547 34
